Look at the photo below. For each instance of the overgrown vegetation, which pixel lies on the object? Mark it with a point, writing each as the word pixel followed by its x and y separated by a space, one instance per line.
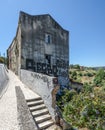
pixel 82 74
pixel 87 108
pixel 99 79
pixel 3 60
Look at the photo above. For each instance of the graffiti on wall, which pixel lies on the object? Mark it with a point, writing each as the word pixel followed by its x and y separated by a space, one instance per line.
pixel 44 78
pixel 62 64
pixel 48 68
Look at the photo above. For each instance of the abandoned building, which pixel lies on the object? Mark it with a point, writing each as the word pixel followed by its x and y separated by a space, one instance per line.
pixel 40 45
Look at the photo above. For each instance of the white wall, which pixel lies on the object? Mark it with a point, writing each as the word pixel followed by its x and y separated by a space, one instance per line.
pixel 3 79
pixel 41 84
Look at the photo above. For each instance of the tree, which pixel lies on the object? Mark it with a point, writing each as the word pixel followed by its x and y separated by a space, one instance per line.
pixel 80 74
pixel 77 67
pixel 101 73
pixel 89 74
pixel 100 76
pixel 74 73
pixel 1 60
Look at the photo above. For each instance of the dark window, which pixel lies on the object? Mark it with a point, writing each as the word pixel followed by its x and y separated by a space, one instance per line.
pixel 29 64
pixel 48 59
pixel 48 38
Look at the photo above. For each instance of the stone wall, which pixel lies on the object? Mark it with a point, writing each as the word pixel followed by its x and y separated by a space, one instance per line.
pixel 42 85
pixel 14 53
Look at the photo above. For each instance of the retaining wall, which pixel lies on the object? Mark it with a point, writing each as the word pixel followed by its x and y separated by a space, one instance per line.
pixel 42 85
pixel 3 79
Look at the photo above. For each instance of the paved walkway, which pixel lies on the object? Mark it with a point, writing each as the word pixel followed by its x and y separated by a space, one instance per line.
pixel 8 103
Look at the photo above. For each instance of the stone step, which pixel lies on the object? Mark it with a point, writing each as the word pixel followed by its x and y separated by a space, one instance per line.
pixel 38 107
pixel 33 99
pixel 34 103
pixel 45 124
pixel 42 118
pixel 40 112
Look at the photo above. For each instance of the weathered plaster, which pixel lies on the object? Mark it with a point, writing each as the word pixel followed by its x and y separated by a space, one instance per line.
pixel 43 46
pixel 43 85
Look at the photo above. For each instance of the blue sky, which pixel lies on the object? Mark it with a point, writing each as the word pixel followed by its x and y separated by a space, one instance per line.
pixel 84 19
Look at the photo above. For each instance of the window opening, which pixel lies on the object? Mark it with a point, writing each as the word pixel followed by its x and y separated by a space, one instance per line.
pixel 48 38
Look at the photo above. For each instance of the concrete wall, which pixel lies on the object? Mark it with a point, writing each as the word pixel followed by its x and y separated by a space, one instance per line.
pixel 44 45
pixel 43 85
pixel 14 53
pixel 40 45
pixel 3 79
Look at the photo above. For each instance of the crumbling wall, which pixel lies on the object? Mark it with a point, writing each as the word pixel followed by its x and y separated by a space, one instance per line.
pixel 40 45
pixel 45 45
pixel 14 53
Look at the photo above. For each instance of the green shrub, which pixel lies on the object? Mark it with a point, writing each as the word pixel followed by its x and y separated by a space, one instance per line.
pixel 98 81
pixel 74 73
pixel 89 74
pixel 94 73
pixel 70 72
pixel 90 82
pixel 66 97
pixel 100 76
pixel 80 74
pixel 86 111
pixel 85 74
pixel 87 88
pixel 1 60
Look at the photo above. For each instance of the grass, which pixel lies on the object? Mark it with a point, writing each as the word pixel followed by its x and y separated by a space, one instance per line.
pixel 83 75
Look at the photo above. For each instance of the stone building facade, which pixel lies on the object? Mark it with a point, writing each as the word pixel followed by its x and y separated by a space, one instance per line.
pixel 40 45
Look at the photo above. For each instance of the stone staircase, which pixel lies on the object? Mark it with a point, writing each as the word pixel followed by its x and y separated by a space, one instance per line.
pixel 40 114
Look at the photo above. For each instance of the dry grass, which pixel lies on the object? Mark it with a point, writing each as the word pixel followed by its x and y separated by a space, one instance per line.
pixel 84 78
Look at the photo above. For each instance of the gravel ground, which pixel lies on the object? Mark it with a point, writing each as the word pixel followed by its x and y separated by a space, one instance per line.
pixel 8 103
